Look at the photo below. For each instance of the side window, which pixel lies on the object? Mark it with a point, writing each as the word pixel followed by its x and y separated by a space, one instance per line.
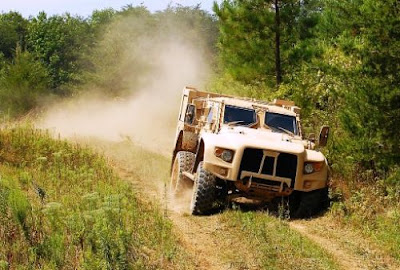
pixel 190 114
pixel 210 116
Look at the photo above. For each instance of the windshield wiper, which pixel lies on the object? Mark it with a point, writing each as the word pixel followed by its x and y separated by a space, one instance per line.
pixel 280 129
pixel 233 123
pixel 286 131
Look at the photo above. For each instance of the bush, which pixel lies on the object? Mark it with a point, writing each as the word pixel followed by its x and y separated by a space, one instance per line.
pixel 22 83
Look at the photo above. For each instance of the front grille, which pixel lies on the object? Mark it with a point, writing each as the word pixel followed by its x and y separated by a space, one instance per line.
pixel 251 160
pixel 286 165
pixel 268 167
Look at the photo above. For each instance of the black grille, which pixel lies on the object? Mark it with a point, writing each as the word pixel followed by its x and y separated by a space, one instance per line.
pixel 286 164
pixel 268 167
pixel 251 160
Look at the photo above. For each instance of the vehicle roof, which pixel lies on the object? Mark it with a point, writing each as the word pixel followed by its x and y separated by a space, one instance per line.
pixel 251 103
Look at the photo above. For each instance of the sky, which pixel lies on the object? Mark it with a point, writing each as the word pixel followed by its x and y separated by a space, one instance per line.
pixel 85 7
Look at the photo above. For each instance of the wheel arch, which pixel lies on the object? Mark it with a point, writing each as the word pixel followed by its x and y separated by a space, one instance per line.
pixel 177 148
pixel 199 155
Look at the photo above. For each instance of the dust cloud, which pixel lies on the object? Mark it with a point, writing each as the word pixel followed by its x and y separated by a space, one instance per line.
pixel 148 114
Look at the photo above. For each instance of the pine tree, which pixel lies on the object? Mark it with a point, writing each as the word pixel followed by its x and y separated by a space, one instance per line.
pixel 261 41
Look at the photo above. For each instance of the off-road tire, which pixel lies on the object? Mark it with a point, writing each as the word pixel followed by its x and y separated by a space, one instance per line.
pixel 204 192
pixel 183 163
pixel 308 204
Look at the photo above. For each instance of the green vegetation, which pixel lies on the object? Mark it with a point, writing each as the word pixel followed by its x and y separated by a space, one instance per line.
pixel 62 206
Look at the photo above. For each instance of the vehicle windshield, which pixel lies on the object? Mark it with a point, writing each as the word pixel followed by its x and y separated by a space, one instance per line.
pixel 239 116
pixel 281 122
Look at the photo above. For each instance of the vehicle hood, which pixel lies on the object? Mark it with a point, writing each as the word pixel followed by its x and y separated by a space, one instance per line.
pixel 242 137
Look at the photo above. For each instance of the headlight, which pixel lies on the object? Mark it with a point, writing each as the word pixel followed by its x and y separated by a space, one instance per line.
pixel 224 154
pixel 311 167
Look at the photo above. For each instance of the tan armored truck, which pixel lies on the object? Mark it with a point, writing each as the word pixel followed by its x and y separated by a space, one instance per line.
pixel 229 147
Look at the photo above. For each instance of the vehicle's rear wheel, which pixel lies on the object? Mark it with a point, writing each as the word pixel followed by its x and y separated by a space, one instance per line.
pixel 183 162
pixel 204 192
pixel 307 204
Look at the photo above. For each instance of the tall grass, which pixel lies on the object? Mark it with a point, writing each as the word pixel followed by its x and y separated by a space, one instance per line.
pixel 62 206
pixel 372 208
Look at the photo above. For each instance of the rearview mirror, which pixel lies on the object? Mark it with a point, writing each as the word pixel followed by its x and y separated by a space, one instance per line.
pixel 323 136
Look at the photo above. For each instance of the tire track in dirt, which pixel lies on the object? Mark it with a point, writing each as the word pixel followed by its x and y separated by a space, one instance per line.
pixel 349 248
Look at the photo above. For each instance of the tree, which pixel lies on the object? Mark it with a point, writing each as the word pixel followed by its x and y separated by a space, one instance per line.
pixel 261 41
pixel 22 83
pixel 59 41
pixel 13 28
pixel 369 35
pixel 191 24
pixel 101 18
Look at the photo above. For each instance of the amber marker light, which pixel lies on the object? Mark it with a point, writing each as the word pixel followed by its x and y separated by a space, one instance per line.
pixel 310 167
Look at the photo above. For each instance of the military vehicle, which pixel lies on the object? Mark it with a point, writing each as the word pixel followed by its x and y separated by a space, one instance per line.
pixel 229 147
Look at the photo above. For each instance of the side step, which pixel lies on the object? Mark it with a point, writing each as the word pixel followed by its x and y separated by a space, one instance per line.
pixel 189 175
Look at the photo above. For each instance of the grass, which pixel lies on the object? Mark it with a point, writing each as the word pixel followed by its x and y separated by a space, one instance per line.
pixel 276 244
pixel 373 209
pixel 62 206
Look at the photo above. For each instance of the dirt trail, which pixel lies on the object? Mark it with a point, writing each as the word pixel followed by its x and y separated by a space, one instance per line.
pixel 350 249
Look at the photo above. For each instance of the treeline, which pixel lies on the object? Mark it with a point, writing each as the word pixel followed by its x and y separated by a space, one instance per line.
pixel 46 57
pixel 339 60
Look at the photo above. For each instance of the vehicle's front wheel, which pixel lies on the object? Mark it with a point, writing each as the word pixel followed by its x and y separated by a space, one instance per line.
pixel 179 182
pixel 204 192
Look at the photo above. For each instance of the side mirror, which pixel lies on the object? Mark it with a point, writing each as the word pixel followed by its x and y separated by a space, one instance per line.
pixel 323 136
pixel 311 137
pixel 190 114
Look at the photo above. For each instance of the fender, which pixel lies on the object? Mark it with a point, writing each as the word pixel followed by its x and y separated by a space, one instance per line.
pixel 185 141
pixel 199 155
pixel 177 148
